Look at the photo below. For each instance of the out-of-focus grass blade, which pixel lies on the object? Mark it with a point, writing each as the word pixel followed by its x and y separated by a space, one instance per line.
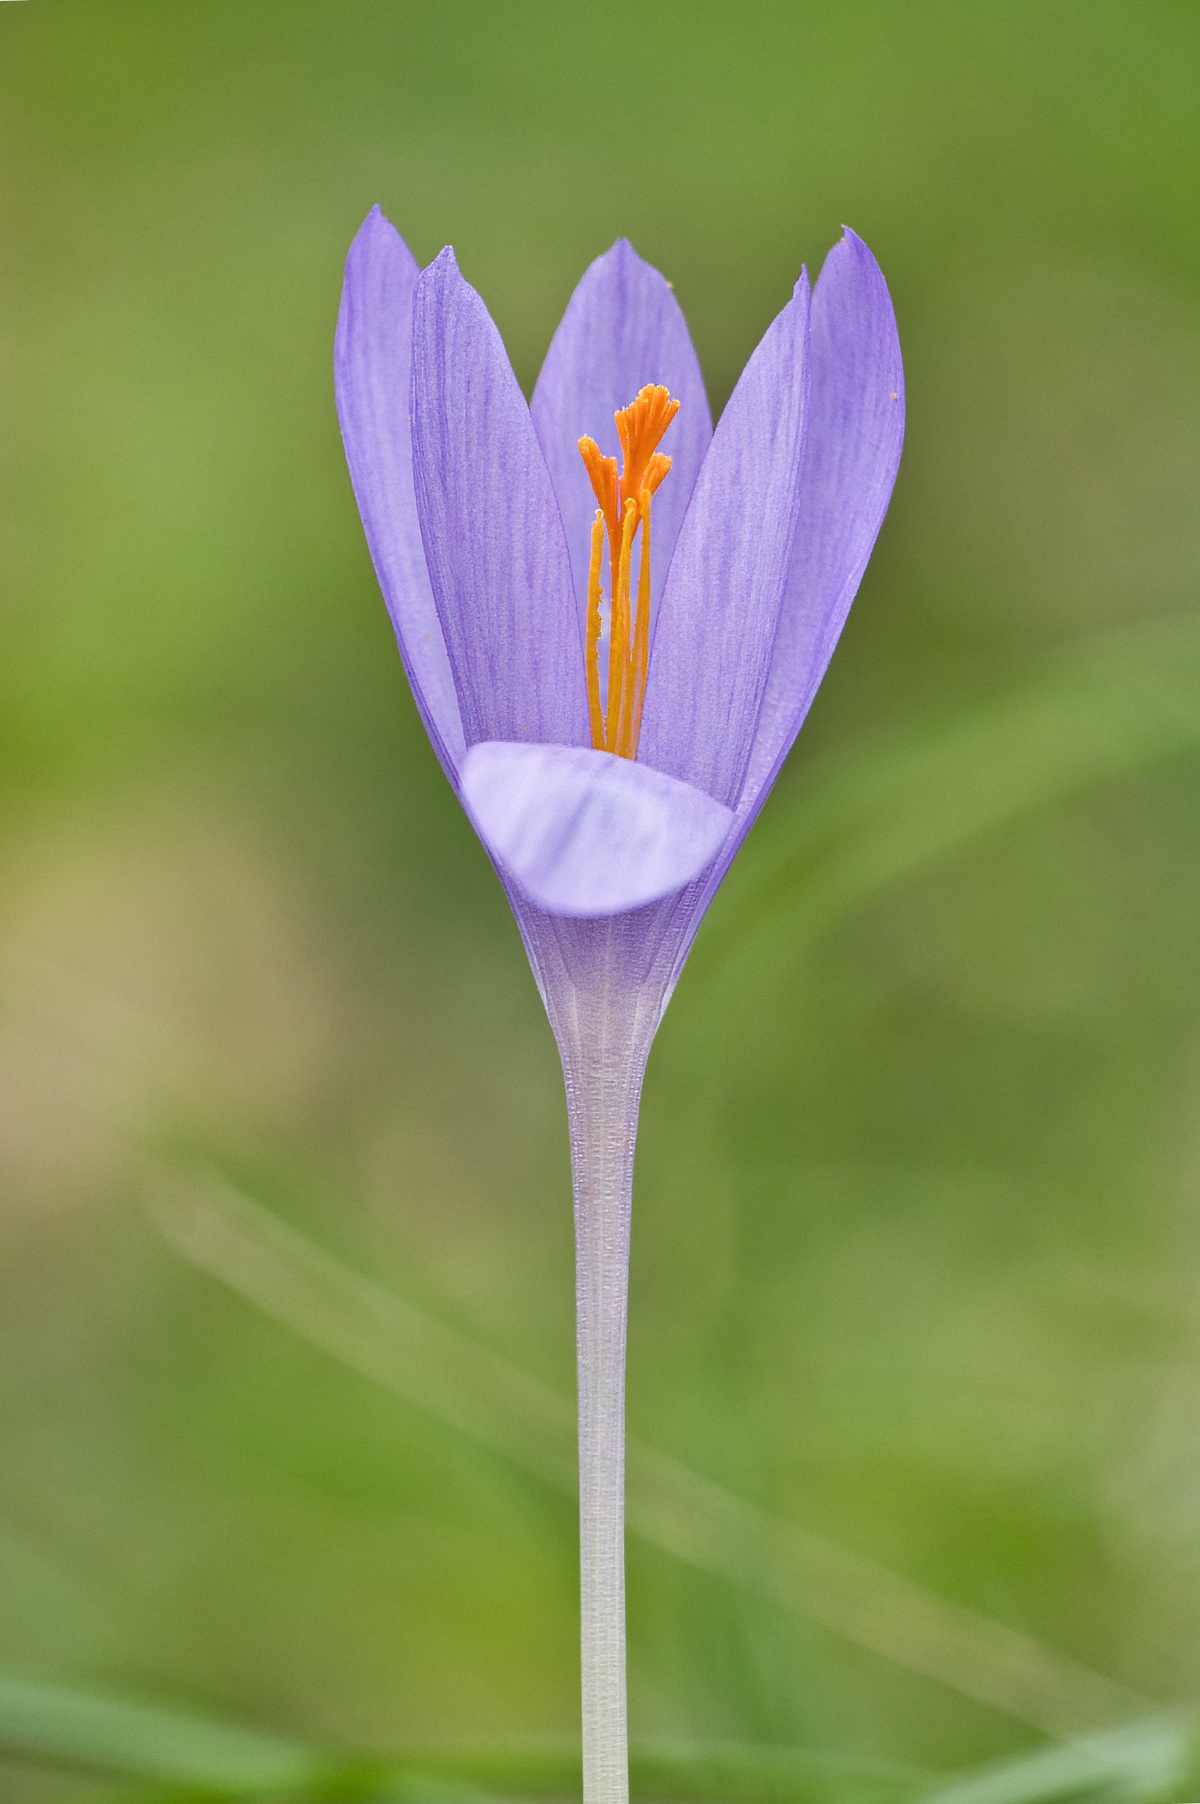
pixel 868 1605
pixel 369 1328
pixel 850 824
pixel 1147 1760
pixel 734 1771
pixel 121 1740
pixel 764 1775
pixel 480 1395
pixel 178 1755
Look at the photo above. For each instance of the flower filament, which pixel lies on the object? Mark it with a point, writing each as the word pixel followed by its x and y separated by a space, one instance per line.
pixel 623 511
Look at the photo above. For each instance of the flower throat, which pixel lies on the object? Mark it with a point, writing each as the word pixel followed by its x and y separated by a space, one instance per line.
pixel 623 512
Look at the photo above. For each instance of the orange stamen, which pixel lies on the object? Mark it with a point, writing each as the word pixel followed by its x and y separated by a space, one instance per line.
pixel 602 474
pixel 620 631
pixel 640 426
pixel 592 637
pixel 641 641
pixel 624 507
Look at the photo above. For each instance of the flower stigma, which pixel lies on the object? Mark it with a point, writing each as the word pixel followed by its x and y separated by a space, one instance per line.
pixel 623 511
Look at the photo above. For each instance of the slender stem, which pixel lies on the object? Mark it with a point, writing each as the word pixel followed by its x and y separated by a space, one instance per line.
pixel 603 1070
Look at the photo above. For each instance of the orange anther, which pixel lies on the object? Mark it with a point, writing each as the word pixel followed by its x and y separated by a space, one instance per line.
pixel 624 508
pixel 602 474
pixel 640 426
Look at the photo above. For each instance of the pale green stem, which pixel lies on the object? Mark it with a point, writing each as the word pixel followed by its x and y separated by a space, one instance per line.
pixel 603 1068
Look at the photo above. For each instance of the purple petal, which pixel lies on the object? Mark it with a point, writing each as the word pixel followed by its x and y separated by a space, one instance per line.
pixel 622 329
pixel 584 833
pixel 712 650
pixel 856 424
pixel 490 526
pixel 855 430
pixel 372 359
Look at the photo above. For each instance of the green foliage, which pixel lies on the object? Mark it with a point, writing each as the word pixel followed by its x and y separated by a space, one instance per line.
pixel 130 1741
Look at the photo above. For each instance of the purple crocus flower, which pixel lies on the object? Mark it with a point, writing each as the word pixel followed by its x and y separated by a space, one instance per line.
pixel 610 713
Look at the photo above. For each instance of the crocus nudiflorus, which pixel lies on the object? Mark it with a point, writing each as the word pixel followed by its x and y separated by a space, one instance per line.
pixel 612 739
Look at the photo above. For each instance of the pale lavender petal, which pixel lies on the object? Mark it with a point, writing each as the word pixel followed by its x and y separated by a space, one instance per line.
pixel 584 833
pixel 490 524
pixel 372 361
pixel 852 451
pixel 856 425
pixel 623 328
pixel 720 610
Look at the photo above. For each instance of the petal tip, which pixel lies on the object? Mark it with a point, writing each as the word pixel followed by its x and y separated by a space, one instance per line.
pixel 851 245
pixel 376 227
pixel 378 254
pixel 625 262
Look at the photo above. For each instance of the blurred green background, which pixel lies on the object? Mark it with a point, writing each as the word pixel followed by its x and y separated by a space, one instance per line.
pixel 917 1223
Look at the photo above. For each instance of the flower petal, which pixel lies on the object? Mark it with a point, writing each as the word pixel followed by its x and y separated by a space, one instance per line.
pixel 372 359
pixel 712 648
pixel 856 424
pixel 852 451
pixel 585 833
pixel 622 329
pixel 490 525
